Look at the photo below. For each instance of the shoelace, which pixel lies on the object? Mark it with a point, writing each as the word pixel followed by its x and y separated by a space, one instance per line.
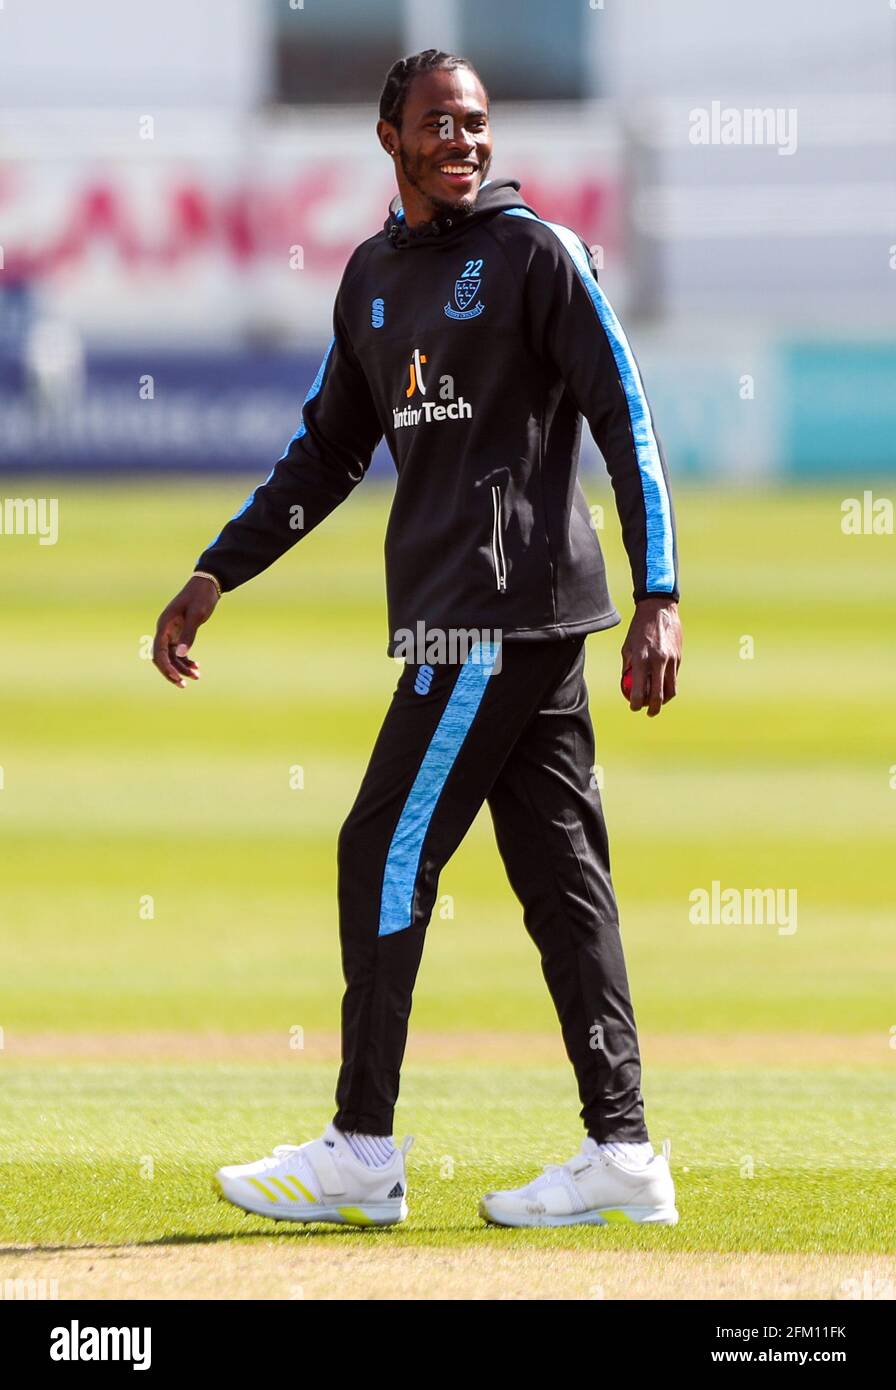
pixel 574 1165
pixel 280 1152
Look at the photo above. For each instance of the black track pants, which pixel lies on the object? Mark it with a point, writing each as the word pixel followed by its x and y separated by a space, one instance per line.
pixel 509 726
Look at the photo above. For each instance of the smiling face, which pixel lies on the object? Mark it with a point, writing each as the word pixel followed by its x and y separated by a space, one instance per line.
pixel 443 147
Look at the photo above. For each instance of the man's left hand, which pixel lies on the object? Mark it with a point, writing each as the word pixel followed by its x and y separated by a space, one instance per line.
pixel 652 649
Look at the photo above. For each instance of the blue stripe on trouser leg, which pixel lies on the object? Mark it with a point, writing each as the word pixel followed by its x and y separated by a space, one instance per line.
pixel 403 859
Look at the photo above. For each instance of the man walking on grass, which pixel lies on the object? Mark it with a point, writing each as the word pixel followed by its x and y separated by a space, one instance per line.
pixel 474 336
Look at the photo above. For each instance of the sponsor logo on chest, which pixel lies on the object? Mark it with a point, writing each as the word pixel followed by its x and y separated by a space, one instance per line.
pixel 429 407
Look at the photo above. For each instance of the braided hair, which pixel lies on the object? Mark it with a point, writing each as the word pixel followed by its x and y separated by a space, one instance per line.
pixel 401 75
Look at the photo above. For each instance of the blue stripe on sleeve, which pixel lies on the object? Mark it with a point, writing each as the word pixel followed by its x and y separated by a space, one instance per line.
pixel 313 390
pixel 660 555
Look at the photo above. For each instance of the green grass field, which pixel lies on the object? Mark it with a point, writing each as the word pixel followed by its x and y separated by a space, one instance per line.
pixel 168 917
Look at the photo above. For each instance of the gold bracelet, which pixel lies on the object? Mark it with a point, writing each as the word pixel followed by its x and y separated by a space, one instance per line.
pixel 204 574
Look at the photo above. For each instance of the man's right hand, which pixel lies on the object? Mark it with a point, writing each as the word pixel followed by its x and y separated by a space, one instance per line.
pixel 176 629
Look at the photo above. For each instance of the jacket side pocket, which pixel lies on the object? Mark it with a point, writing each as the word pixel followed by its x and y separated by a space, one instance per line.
pixel 498 560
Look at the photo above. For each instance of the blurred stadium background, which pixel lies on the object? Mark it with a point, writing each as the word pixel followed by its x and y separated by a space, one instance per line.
pixel 180 187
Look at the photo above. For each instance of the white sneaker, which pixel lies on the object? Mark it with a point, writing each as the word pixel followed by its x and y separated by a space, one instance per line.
pixel 592 1189
pixel 319 1181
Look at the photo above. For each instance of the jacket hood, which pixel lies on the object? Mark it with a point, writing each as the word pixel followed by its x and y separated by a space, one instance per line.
pixel 495 195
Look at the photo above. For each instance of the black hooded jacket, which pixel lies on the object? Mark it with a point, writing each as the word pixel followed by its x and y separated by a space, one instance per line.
pixel 476 346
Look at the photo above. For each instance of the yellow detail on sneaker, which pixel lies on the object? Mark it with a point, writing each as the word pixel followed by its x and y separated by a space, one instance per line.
pixel 305 1191
pixel 615 1218
pixel 356 1216
pixel 287 1191
pixel 263 1188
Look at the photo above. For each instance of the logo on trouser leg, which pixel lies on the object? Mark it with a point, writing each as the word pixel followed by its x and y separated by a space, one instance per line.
pixel 424 680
